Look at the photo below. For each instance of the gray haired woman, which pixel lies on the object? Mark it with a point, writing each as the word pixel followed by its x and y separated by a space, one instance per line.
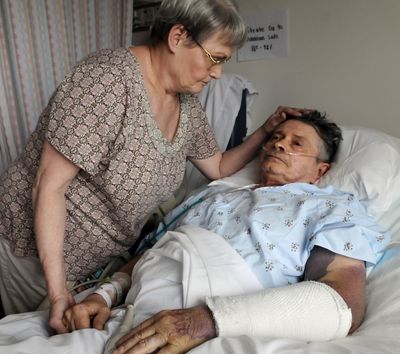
pixel 110 146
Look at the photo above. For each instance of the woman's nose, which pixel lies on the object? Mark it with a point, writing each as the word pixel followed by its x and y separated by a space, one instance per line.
pixel 216 71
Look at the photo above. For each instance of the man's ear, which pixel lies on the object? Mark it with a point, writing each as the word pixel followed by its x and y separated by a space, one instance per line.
pixel 177 34
pixel 323 168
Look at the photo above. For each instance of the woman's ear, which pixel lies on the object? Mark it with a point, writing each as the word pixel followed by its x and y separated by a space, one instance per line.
pixel 177 34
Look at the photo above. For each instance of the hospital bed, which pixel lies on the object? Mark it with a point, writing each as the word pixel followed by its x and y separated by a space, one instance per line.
pixel 367 165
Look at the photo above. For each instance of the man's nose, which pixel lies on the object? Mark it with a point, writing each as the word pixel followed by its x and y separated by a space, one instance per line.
pixel 280 145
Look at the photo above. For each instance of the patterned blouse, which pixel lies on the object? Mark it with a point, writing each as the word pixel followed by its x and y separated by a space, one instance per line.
pixel 99 118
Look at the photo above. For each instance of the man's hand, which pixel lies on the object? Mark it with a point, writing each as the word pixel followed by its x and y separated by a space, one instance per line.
pixel 169 332
pixel 57 308
pixel 280 115
pixel 92 312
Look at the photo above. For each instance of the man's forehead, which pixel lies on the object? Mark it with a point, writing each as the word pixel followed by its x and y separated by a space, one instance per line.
pixel 296 127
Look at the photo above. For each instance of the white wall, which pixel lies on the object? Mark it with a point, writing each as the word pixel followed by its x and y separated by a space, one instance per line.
pixel 344 59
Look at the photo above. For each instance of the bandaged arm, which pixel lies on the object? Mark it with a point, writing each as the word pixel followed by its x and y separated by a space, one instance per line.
pixel 329 304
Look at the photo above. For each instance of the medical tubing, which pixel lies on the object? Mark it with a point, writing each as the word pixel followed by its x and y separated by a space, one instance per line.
pixel 175 219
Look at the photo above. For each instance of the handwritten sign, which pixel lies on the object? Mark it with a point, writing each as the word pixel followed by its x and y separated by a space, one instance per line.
pixel 266 37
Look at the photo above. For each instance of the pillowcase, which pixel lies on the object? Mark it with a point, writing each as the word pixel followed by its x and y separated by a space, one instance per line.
pixel 367 165
pixel 245 176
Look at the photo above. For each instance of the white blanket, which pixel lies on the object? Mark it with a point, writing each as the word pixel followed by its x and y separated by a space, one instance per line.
pixel 191 263
pixel 182 268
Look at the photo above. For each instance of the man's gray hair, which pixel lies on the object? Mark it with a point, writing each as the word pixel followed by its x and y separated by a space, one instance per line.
pixel 329 132
pixel 202 19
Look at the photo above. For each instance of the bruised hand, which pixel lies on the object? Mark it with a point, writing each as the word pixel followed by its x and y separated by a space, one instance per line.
pixel 169 332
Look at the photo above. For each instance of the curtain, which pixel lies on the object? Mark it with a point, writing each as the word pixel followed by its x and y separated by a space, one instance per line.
pixel 40 42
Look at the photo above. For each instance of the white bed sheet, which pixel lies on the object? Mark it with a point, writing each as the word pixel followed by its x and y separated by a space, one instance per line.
pixel 182 268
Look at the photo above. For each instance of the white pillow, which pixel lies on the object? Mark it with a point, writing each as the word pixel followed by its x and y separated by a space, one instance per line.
pixel 367 165
pixel 245 176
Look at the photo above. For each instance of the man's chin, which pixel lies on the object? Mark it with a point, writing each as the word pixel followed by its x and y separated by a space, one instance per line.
pixel 269 182
pixel 268 167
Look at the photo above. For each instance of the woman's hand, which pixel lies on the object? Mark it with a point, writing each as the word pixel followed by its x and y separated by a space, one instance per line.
pixel 280 115
pixel 169 332
pixel 91 312
pixel 57 307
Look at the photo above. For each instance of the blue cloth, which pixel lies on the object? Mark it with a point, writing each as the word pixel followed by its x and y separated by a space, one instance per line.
pixel 275 228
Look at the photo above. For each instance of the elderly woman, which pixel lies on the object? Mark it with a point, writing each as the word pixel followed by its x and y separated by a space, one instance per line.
pixel 110 146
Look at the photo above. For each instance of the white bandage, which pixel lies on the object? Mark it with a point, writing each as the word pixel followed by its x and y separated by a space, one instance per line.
pixel 108 292
pixel 114 290
pixel 122 283
pixel 310 311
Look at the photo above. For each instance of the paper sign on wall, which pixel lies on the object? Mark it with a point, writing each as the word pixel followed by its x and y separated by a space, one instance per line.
pixel 267 36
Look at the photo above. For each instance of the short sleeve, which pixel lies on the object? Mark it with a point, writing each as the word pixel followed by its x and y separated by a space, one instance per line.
pixel 87 113
pixel 351 232
pixel 201 143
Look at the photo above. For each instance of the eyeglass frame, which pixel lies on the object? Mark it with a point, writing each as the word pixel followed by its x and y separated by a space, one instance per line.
pixel 210 56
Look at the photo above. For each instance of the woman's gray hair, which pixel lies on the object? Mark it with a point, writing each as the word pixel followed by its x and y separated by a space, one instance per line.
pixel 202 19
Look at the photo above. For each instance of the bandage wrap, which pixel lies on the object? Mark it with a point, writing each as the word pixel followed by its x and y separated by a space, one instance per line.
pixel 310 311
pixel 114 290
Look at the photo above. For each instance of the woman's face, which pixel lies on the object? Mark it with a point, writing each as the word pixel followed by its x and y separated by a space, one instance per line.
pixel 197 64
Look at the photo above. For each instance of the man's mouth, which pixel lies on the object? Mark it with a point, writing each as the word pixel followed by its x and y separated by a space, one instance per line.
pixel 275 157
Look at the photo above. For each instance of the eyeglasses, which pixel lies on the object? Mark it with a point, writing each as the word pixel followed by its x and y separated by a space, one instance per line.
pixel 214 60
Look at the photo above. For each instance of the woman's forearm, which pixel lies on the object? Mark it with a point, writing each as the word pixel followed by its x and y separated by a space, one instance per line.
pixel 53 178
pixel 234 159
pixel 224 164
pixel 49 226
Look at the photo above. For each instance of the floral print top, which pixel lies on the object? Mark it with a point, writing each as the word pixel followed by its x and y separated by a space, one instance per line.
pixel 99 118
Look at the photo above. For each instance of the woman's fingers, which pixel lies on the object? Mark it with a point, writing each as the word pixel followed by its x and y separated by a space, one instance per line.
pixel 283 110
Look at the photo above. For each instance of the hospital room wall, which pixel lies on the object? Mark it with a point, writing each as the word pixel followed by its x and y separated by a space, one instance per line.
pixel 344 59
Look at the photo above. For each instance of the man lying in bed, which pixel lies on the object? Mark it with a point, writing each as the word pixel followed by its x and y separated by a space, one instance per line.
pixel 310 245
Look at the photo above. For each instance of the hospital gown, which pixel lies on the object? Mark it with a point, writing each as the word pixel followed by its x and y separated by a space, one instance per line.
pixel 275 228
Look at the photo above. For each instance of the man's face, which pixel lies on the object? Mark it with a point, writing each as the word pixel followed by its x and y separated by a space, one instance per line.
pixel 291 155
